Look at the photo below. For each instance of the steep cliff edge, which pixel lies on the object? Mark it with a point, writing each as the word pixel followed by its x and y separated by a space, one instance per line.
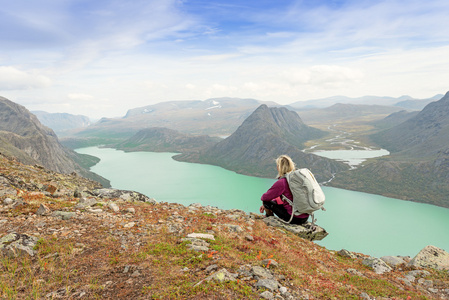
pixel 263 136
pixel 25 138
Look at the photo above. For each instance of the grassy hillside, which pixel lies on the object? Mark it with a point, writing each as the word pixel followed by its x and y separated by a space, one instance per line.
pixel 140 251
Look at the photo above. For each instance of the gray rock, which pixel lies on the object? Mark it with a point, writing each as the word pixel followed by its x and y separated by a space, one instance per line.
pixel 270 284
pixel 378 265
pixel 8 201
pixel 222 276
pixel 346 253
pixel 306 231
pixel 130 210
pixel 86 202
pixel 416 273
pixel 365 296
pixel 113 206
pixel 354 272
pixel 16 244
pixel 234 228
pixel 267 295
pixel 201 236
pixel 64 215
pixel 130 196
pixel 43 210
pixel 211 268
pixel 270 263
pixel 283 290
pixel 431 257
pixel 261 272
pixel 393 261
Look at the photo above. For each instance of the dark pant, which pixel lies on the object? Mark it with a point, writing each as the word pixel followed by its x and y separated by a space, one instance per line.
pixel 280 211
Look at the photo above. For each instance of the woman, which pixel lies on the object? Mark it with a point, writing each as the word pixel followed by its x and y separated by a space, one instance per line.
pixel 272 199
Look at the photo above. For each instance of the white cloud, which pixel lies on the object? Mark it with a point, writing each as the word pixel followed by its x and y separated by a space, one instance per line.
pixel 12 78
pixel 79 96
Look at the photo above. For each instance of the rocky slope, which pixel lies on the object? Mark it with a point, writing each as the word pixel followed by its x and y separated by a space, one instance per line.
pixel 263 136
pixel 25 138
pixel 418 167
pixel 63 238
pixel 158 139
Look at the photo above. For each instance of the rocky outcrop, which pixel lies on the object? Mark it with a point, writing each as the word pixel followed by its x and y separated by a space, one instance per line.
pixel 431 257
pixel 16 244
pixel 306 231
pixel 122 194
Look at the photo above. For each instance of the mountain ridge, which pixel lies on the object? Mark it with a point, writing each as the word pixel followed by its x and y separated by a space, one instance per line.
pixel 263 136
pixel 417 168
pixel 27 139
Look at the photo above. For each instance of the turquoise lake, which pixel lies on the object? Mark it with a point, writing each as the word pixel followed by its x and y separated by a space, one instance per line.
pixel 359 222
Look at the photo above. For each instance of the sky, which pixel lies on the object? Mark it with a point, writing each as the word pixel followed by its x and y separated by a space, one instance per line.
pixel 100 58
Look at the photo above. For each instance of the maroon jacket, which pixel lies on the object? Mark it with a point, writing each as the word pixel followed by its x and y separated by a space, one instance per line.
pixel 278 189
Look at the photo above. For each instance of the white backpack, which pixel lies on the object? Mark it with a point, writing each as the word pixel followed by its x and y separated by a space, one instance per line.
pixel 307 193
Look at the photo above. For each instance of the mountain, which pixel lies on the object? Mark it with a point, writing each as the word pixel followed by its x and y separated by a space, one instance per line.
pixel 62 122
pixel 218 117
pixel 159 139
pixel 263 136
pixel 402 101
pixel 25 138
pixel 417 104
pixel 341 112
pixel 425 134
pixel 394 119
pixel 418 166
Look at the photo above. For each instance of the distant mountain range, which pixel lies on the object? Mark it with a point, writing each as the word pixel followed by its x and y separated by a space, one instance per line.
pixel 217 117
pixel 406 102
pixel 341 112
pixel 418 167
pixel 24 137
pixel 61 123
pixel 158 139
pixel 263 136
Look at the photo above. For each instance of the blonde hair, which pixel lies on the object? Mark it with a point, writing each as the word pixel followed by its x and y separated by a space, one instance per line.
pixel 284 165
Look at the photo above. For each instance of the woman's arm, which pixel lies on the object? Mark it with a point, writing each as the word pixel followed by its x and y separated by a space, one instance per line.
pixel 275 191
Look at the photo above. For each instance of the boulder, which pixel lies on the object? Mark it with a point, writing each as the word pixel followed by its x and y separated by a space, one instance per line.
pixel 378 265
pixel 431 257
pixel 306 231
pixel 86 202
pixel 130 196
pixel 222 276
pixel 43 210
pixel 393 261
pixel 16 244
pixel 64 215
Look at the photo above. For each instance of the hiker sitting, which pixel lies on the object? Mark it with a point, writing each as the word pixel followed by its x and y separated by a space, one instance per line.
pixel 272 199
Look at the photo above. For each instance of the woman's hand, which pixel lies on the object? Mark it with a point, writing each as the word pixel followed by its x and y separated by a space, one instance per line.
pixel 262 209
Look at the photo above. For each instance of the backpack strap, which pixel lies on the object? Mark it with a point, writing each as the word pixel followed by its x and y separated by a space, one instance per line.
pixel 291 204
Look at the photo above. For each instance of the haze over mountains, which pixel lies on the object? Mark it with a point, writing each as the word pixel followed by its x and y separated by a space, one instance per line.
pixel 61 123
pixel 404 102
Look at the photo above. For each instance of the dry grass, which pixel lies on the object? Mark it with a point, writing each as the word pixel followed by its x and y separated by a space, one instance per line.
pixel 96 256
